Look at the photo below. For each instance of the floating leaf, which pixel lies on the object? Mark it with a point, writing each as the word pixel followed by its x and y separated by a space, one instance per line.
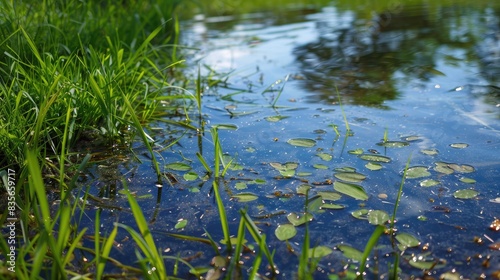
pixel 345 169
pixel 429 183
pixel 442 167
pixel 467 180
pixel 352 177
pixel 332 206
pixel 360 214
pixel 373 166
pixel 356 151
pixel 319 252
pixel 393 144
pixel 304 174
pixel 240 186
pixel 275 118
pixel 417 172
pixel 351 253
pixel 411 138
pixel 250 149
pixel 226 126
pixel 302 189
pixel 352 190
pixel 314 205
pixel 464 168
pixel 302 142
pixel 287 173
pixel 465 194
pixel 181 224
pixel 245 197
pixel 325 156
pixel 329 195
pixel 320 166
pixel 285 232
pixel 178 166
pixel 459 145
pixel 190 176
pixel 429 152
pixel 407 240
pixel 375 158
pixel 378 217
pixel 299 219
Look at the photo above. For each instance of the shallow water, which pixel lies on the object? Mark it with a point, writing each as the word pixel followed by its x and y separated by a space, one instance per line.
pixel 410 70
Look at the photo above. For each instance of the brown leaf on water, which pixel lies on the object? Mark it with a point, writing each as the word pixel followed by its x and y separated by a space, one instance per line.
pixel 495 225
pixel 495 246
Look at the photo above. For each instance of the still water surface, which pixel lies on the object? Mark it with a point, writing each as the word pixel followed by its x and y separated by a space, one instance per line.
pixel 426 71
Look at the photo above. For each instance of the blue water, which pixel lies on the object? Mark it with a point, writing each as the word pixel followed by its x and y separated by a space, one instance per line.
pixel 430 74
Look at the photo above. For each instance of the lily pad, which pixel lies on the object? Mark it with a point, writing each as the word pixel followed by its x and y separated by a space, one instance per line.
pixel 352 177
pixel 302 189
pixel 320 166
pixel 190 176
pixel 332 206
pixel 361 214
pixel 459 145
pixel 181 224
pixel 393 144
pixel 226 126
pixel 467 180
pixel 417 172
pixel 429 183
pixel 302 142
pixel 429 152
pixel 442 167
pixel 275 118
pixel 407 240
pixel 464 168
pixel 378 217
pixel 351 253
pixel 465 194
pixel 319 252
pixel 411 138
pixel 240 186
pixel 329 195
pixel 297 219
pixel 356 151
pixel 352 190
pixel 375 158
pixel 178 166
pixel 345 169
pixel 285 232
pixel 373 166
pixel 245 197
pixel 325 156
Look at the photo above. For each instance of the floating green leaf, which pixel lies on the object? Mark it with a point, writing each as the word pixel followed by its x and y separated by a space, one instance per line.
pixel 329 195
pixel 226 126
pixel 240 186
pixel 181 224
pixel 356 151
pixel 467 180
pixel 361 214
pixel 464 168
pixel 325 156
pixel 302 142
pixel 297 219
pixel 393 144
pixel 429 183
pixel 352 177
pixel 275 118
pixel 285 232
pixel 345 169
pixel 411 138
pixel 320 166
pixel 319 252
pixel 407 240
pixel 351 253
pixel 442 167
pixel 373 166
pixel 332 206
pixel 245 197
pixel 465 194
pixel 429 152
pixel 375 158
pixel 378 217
pixel 302 189
pixel 304 174
pixel 190 176
pixel 178 166
pixel 417 172
pixel 459 145
pixel 352 190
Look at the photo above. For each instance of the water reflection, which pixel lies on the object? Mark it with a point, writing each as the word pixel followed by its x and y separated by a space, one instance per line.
pixel 368 58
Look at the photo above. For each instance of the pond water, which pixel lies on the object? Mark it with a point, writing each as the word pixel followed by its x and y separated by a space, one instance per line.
pixel 426 76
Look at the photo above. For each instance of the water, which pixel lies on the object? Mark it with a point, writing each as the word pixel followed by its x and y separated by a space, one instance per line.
pixel 429 71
